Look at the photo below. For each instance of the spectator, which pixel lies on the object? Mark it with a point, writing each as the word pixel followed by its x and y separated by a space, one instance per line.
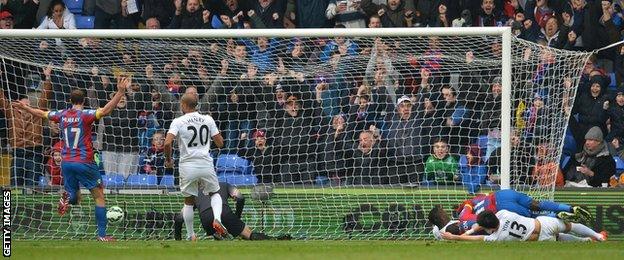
pixel 556 36
pixel 58 17
pixel 534 118
pixel 107 14
pixel 618 147
pixel 393 14
pixel 404 143
pixel 26 137
pixel 591 109
pixel 339 46
pixel 121 140
pixel 368 161
pixel 6 20
pixel 160 10
pixel 440 18
pixel 332 148
pixel 616 117
pixel 152 160
pixel 53 167
pixel 488 14
pixel 374 21
pixel 594 165
pixel 152 23
pixel 263 158
pixel 229 14
pixel 546 165
pixel 24 12
pixel 297 55
pixel 263 53
pixel 456 119
pixel 441 168
pixel 362 115
pixel 380 71
pixel 491 107
pixel 599 28
pixel 520 148
pixel 473 173
pixel 538 11
pixel 308 14
pixel 239 108
pixel 293 139
pixel 346 12
pixel 269 12
pixel 191 16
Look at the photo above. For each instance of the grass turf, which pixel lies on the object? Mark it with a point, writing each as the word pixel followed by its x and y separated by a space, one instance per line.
pixel 300 250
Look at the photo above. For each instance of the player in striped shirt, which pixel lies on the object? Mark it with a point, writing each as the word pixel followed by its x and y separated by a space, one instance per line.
pixel 78 166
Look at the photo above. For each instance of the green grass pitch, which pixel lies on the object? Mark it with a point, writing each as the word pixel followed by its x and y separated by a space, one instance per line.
pixel 299 250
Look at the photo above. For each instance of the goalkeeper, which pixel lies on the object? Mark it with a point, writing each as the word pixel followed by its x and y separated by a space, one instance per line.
pixel 231 220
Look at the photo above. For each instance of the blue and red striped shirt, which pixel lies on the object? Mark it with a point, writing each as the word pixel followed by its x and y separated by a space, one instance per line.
pixel 471 208
pixel 75 126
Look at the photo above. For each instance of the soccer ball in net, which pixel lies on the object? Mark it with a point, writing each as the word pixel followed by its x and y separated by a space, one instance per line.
pixel 114 214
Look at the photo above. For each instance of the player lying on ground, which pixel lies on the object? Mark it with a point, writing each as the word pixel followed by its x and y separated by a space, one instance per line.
pixel 508 226
pixel 519 203
pixel 511 200
pixel 192 132
pixel 78 165
pixel 232 221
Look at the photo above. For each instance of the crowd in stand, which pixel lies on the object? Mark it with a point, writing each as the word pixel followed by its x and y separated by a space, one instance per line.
pixel 399 122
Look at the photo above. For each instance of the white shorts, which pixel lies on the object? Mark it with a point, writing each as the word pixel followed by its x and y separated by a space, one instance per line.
pixel 551 227
pixel 192 178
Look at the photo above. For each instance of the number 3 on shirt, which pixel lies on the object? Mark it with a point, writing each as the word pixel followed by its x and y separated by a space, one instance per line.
pixel 518 227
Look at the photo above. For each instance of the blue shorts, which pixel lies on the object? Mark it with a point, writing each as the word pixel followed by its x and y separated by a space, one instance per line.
pixel 75 173
pixel 513 201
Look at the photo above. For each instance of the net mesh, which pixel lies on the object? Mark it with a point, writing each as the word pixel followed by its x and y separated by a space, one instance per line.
pixel 359 137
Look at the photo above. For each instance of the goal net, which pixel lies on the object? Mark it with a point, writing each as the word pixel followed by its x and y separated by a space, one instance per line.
pixel 359 133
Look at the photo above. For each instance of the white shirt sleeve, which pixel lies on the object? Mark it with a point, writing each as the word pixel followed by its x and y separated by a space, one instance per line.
pixel 69 22
pixel 212 126
pixel 174 128
pixel 491 238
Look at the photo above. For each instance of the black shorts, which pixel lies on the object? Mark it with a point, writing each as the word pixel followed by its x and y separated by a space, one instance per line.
pixel 233 224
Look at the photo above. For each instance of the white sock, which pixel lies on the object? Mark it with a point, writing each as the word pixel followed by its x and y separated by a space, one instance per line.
pixel 188 214
pixel 585 231
pixel 572 238
pixel 217 204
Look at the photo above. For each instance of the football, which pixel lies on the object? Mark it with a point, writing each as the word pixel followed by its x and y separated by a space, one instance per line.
pixel 114 214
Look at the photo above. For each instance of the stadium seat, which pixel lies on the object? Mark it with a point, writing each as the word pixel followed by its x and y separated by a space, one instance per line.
pixel 167 181
pixel 113 180
pixel 565 160
pixel 613 82
pixel 74 6
pixel 84 22
pixel 142 180
pixel 232 163
pixel 619 164
pixel 238 179
pixel 569 144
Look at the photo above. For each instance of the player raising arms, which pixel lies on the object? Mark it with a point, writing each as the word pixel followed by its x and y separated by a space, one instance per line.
pixel 78 166
pixel 508 226
pixel 192 132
